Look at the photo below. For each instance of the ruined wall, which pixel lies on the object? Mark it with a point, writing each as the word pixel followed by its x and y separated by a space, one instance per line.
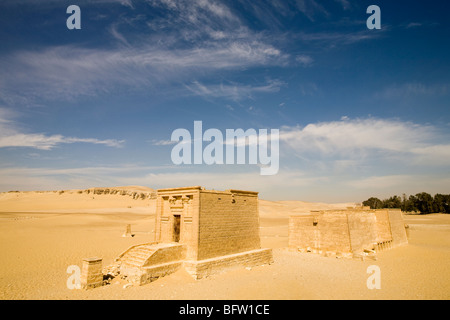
pixel 228 223
pixel 325 231
pixel 362 227
pixel 334 233
pixel 383 226
pixel 397 227
pixel 345 231
pixel 302 232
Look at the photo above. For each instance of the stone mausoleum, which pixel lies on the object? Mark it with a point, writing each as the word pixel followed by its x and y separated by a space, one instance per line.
pixel 204 231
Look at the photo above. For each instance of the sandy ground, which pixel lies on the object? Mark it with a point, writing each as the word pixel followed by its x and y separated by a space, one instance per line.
pixel 42 234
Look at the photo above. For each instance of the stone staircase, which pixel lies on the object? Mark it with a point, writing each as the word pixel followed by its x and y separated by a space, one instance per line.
pixel 137 256
pixel 144 263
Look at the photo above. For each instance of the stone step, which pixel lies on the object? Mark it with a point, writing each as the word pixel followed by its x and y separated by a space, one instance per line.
pixel 144 251
pixel 137 256
pixel 130 264
pixel 134 259
pixel 142 255
pixel 140 251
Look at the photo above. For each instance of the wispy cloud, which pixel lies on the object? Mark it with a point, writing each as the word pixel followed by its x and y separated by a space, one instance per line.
pixel 388 185
pixel 12 136
pixel 311 9
pixel 224 180
pixel 113 29
pixel 304 60
pixel 66 72
pixel 127 3
pixel 421 24
pixel 344 3
pixel 163 142
pixel 44 142
pixel 381 182
pixel 330 39
pixel 413 25
pixel 42 178
pixel 414 89
pixel 232 91
pixel 192 40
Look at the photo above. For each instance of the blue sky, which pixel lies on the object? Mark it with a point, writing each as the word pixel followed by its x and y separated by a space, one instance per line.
pixel 361 112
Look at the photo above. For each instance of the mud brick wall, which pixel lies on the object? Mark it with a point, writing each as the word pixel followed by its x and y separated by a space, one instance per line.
pixel 302 232
pixel 362 226
pixel 397 227
pixel 323 231
pixel 346 230
pixel 334 232
pixel 383 226
pixel 228 223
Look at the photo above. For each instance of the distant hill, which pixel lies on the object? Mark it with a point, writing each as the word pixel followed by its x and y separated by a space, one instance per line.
pixel 98 198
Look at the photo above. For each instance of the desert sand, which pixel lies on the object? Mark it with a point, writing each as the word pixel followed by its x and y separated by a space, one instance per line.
pixel 43 233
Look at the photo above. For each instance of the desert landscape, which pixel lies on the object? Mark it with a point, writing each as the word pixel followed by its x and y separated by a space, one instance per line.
pixel 43 233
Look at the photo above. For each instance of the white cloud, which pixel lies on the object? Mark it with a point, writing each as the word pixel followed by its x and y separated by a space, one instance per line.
pixel 163 142
pixel 347 135
pixel 356 138
pixel 43 142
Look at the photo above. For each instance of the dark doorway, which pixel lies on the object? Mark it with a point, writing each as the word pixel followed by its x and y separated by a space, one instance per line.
pixel 176 227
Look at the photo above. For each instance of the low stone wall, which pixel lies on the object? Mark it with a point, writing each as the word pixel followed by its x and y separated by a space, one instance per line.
pixel 166 253
pixel 141 266
pixel 141 276
pixel 204 268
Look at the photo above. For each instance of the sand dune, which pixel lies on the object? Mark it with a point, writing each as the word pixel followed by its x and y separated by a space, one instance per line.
pixel 42 233
pixel 138 199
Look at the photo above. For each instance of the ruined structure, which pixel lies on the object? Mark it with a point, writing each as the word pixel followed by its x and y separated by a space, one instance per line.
pixel 204 231
pixel 91 273
pixel 351 232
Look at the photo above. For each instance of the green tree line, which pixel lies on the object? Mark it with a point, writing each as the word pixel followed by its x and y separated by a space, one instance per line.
pixel 422 202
